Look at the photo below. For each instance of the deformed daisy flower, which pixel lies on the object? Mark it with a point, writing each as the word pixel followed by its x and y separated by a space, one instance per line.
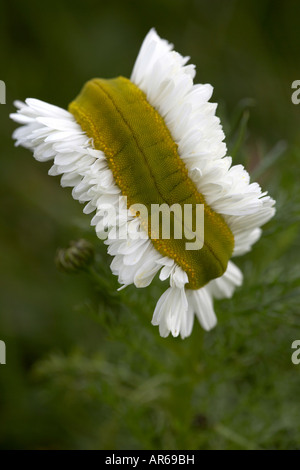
pixel 154 140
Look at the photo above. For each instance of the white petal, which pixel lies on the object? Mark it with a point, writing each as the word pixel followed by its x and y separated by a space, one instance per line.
pixel 146 273
pixel 203 307
pixel 171 311
pixel 178 277
pixel 224 286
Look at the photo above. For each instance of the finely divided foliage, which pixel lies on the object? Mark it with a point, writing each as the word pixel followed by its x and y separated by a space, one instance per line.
pixel 162 74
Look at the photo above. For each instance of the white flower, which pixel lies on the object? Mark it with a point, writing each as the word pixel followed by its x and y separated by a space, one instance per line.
pixel 163 76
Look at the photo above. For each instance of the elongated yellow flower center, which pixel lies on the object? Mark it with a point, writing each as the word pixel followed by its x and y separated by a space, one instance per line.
pixel 146 166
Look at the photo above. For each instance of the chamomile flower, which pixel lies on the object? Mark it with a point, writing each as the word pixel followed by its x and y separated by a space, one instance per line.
pixel 153 140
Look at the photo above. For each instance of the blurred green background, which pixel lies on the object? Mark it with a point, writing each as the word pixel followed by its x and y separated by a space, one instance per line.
pixel 85 368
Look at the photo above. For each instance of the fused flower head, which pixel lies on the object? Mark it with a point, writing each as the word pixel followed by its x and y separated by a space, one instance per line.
pixel 131 149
